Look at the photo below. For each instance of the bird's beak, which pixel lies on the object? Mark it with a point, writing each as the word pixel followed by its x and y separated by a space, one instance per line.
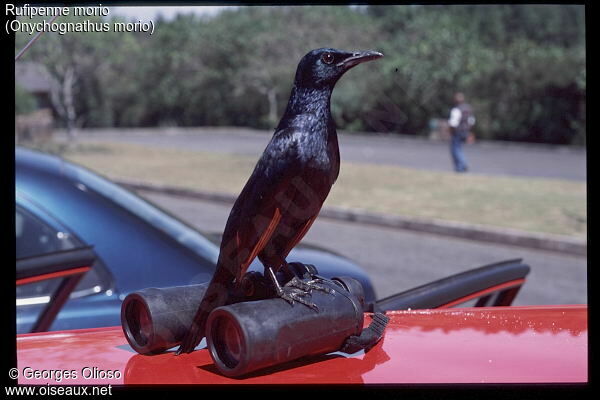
pixel 359 57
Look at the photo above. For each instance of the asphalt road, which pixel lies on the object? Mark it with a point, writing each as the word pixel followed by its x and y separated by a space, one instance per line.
pixel 492 158
pixel 398 260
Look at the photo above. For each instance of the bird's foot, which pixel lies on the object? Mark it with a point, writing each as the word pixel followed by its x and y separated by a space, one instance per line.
pixel 297 290
pixel 308 286
pixel 292 295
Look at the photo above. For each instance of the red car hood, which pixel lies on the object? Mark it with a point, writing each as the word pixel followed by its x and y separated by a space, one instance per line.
pixel 468 345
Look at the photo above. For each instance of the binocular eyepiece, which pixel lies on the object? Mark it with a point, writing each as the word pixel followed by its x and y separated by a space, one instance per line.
pixel 245 336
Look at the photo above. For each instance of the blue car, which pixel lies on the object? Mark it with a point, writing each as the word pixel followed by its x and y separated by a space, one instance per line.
pixel 61 206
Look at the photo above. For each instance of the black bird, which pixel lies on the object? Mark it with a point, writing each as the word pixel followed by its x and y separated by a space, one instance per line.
pixel 286 190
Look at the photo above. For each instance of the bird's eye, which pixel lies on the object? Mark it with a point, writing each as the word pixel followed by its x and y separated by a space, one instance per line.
pixel 327 58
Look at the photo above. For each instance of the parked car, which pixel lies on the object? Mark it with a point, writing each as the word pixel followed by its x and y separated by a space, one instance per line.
pixel 498 344
pixel 61 206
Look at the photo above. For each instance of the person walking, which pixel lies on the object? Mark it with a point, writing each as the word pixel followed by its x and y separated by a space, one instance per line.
pixel 461 120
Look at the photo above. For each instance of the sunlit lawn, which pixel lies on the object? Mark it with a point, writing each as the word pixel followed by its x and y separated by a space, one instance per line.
pixel 541 205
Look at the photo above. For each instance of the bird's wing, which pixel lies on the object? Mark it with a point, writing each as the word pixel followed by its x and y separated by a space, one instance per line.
pixel 299 235
pixel 259 209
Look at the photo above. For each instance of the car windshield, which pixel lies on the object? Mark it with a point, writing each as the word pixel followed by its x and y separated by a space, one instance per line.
pixel 150 213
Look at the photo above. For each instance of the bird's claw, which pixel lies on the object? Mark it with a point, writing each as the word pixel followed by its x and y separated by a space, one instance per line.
pixel 297 290
pixel 308 286
pixel 292 294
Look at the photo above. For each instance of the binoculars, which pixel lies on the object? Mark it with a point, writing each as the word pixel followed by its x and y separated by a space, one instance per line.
pixel 245 336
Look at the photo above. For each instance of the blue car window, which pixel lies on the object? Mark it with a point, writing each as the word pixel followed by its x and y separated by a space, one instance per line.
pixel 35 237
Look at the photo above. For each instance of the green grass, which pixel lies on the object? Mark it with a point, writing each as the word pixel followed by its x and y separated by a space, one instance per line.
pixel 538 205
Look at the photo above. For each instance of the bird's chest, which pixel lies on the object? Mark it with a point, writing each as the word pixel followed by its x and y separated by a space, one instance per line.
pixel 316 148
pixel 319 162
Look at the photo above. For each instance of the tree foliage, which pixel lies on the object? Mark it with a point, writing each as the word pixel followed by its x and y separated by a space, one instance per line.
pixel 522 67
pixel 24 101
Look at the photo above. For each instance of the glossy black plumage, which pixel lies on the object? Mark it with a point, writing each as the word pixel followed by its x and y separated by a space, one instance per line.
pixel 288 186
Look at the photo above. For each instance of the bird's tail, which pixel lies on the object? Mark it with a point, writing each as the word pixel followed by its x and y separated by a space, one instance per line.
pixel 216 295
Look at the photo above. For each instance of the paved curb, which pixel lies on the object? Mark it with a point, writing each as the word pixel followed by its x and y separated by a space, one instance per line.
pixel 562 244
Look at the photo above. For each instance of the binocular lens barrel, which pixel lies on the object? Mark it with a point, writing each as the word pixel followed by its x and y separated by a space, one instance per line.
pixel 248 336
pixel 154 320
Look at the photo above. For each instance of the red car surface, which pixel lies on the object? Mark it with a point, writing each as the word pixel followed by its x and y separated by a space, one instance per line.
pixel 525 344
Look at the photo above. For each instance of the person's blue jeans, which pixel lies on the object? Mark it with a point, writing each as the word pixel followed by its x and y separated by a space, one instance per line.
pixel 456 150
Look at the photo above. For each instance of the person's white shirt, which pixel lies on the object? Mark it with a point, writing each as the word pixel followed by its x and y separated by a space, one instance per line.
pixel 456 115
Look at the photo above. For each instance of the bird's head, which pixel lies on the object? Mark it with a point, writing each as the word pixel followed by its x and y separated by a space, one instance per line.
pixel 323 67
